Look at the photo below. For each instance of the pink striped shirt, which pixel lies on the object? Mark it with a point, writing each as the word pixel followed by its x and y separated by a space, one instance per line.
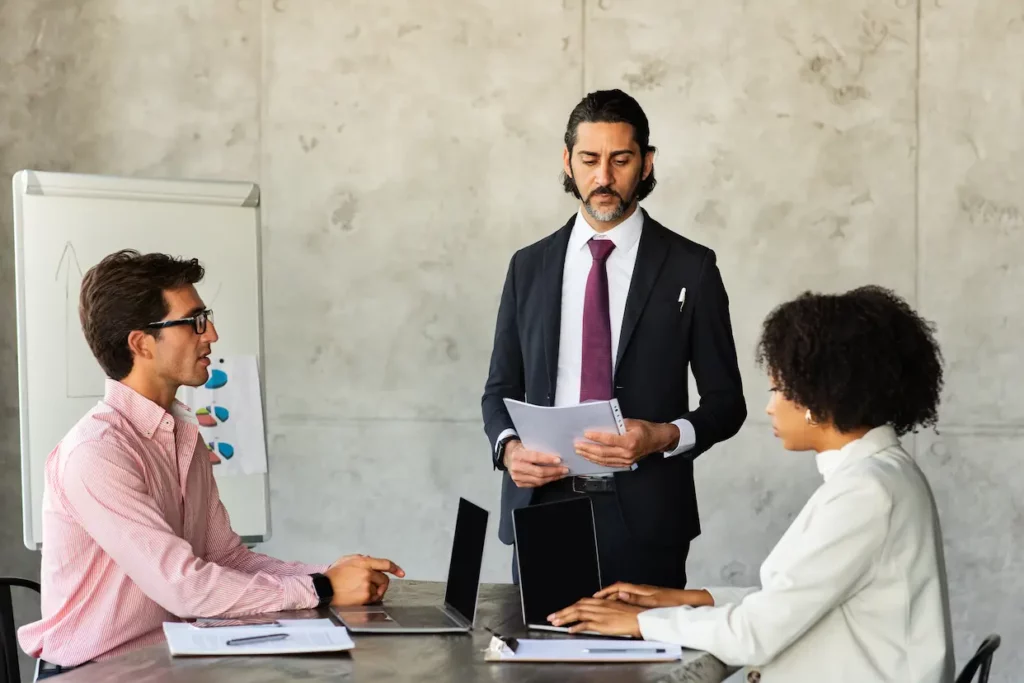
pixel 135 534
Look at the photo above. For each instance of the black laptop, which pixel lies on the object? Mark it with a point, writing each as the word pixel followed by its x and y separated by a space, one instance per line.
pixel 458 612
pixel 556 548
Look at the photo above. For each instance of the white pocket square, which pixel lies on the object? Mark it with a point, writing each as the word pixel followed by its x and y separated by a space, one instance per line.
pixel 682 298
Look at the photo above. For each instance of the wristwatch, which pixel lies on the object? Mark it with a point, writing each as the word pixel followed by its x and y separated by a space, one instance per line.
pixel 323 588
pixel 499 452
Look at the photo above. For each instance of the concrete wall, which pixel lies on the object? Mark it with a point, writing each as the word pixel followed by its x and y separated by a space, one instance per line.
pixel 406 149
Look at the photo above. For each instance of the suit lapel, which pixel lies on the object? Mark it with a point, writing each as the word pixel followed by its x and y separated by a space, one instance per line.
pixel 551 285
pixel 649 258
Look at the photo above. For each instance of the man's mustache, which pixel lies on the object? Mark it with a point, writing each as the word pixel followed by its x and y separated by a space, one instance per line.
pixel 605 190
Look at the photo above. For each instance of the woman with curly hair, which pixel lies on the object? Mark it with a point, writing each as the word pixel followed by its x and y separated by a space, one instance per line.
pixel 856 588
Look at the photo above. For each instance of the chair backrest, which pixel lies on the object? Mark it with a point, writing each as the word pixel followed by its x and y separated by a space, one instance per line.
pixel 981 661
pixel 9 671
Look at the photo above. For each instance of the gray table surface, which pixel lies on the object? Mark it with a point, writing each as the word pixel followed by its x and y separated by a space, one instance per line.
pixel 399 657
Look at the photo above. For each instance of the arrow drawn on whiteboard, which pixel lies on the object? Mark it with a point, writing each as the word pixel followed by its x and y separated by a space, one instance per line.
pixel 69 253
pixel 69 261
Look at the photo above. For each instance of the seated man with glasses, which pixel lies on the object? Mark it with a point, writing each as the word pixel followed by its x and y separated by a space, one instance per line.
pixel 134 532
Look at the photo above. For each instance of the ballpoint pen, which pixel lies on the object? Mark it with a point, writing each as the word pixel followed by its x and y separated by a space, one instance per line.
pixel 258 639
pixel 607 650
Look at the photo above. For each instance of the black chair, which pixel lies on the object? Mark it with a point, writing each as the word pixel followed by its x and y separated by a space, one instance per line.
pixel 9 671
pixel 981 661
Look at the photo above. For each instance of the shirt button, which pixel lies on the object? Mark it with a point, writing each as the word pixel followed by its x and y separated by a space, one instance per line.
pixel 754 677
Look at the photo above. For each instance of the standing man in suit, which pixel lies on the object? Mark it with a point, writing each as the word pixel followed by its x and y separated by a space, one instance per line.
pixel 614 304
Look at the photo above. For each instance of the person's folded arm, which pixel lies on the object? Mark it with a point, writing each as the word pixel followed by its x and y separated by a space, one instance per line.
pixel 224 546
pixel 727 595
pixel 722 409
pixel 105 488
pixel 826 563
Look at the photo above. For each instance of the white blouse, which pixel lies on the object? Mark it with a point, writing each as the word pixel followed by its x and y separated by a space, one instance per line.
pixel 854 591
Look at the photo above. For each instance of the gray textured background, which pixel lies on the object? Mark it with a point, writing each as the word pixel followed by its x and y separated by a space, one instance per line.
pixel 405 149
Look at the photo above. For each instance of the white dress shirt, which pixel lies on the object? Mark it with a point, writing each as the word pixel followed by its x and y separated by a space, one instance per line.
pixel 854 591
pixel 619 265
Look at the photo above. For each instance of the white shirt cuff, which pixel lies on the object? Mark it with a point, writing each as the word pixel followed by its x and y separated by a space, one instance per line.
pixel 661 624
pixel 728 595
pixel 687 438
pixel 504 435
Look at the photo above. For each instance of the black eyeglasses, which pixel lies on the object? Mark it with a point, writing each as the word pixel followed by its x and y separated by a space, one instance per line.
pixel 197 321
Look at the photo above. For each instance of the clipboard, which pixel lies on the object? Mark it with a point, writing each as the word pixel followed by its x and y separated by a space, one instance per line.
pixel 579 650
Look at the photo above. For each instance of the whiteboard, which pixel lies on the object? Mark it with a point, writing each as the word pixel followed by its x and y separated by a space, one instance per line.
pixel 66 223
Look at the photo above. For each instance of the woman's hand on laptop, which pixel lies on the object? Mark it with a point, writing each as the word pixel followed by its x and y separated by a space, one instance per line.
pixel 594 615
pixel 653 596
pixel 360 579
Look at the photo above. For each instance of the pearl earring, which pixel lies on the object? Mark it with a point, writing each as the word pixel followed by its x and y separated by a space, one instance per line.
pixel 809 419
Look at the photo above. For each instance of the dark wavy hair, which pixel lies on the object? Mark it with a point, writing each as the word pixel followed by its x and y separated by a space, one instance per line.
pixel 859 359
pixel 125 292
pixel 610 106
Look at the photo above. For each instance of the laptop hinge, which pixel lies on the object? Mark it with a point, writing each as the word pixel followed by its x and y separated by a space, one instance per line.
pixel 455 616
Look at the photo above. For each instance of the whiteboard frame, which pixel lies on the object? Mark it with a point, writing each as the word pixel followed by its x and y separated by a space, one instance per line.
pixel 223 193
pixel 20 185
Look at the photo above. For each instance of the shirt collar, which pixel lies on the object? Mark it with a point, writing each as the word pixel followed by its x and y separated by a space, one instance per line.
pixel 140 412
pixel 875 441
pixel 625 235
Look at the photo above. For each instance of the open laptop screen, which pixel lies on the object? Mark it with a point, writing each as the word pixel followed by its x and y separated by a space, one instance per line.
pixel 467 557
pixel 557 552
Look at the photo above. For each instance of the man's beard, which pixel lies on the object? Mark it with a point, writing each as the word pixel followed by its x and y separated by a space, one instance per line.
pixel 613 214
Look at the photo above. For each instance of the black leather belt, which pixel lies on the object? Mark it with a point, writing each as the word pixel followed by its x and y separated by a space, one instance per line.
pixel 589 484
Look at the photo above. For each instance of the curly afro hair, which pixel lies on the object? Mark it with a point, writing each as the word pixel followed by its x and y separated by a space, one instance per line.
pixel 859 359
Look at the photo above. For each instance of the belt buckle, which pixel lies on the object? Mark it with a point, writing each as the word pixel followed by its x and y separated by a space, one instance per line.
pixel 591 484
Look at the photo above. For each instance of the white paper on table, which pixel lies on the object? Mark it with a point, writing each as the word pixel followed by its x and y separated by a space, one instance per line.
pixel 583 650
pixel 184 639
pixel 290 623
pixel 308 623
pixel 229 410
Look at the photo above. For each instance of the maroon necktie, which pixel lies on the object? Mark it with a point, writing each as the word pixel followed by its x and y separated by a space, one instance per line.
pixel 596 368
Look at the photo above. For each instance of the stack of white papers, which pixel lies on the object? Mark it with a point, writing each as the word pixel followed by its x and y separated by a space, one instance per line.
pixel 291 637
pixel 555 430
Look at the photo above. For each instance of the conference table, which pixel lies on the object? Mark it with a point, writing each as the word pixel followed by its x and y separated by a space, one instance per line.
pixel 458 657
